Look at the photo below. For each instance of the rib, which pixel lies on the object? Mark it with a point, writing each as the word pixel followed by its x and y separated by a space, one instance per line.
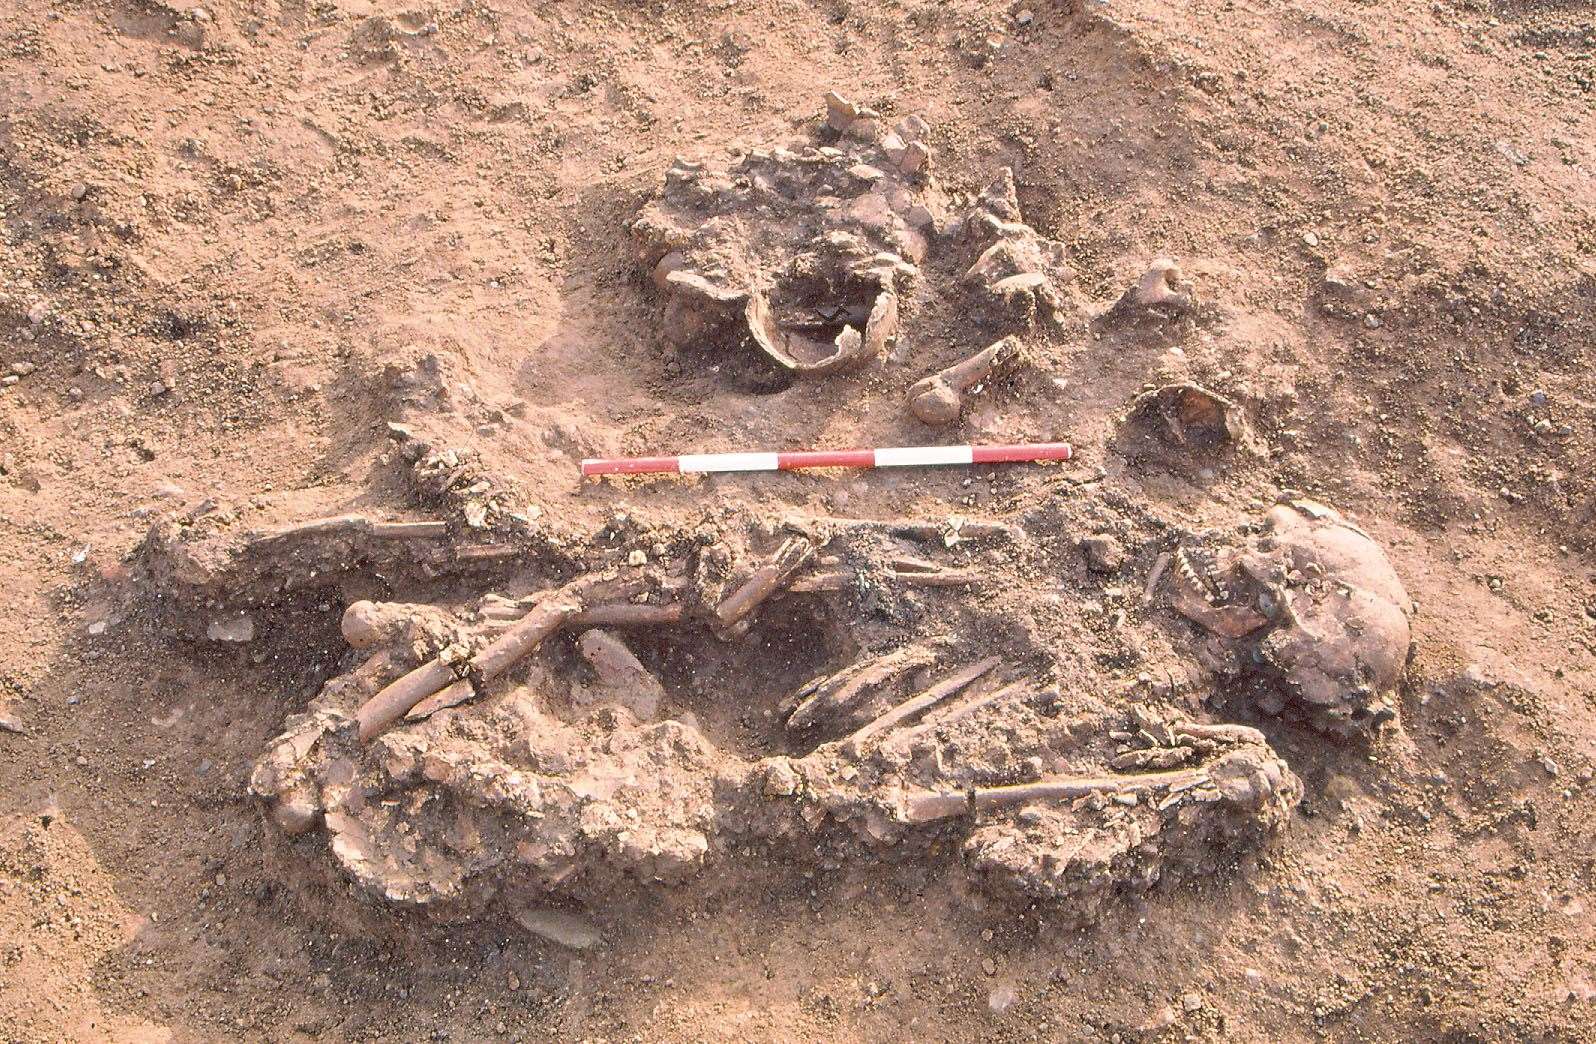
pixel 907 737
pixel 925 701
pixel 823 697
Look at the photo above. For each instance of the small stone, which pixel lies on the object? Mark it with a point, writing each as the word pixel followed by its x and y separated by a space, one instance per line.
pixel 1191 1002
pixel 1310 238
pixel 780 779
pixel 639 557
pixel 233 629
pixel 1103 553
pixel 1253 976
pixel 22 369
pixel 1372 321
pixel 80 190
pixel 1002 999
pixel 1538 397
pixel 558 926
pixel 1550 767
pixel 97 628
pixel 8 723
pixel 1340 280
pixel 1024 18
pixel 989 966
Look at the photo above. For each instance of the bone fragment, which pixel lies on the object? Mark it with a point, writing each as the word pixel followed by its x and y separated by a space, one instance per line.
pixel 1225 733
pixel 620 672
pixel 560 926
pixel 940 578
pixel 451 695
pixel 1160 566
pixel 487 552
pixel 1161 286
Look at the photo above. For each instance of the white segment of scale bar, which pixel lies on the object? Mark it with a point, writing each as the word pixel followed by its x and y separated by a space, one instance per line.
pixel 692 462
pixel 904 456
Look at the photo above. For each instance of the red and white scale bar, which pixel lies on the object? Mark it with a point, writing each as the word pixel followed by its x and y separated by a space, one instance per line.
pixel 896 457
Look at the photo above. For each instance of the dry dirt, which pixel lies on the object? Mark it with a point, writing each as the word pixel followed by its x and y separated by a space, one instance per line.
pixel 240 240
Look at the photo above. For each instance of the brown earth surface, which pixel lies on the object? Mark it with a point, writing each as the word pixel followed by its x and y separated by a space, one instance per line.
pixel 241 239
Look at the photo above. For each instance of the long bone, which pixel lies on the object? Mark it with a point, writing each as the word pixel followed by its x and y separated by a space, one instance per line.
pixel 446 676
pixel 734 613
pixel 939 398
pixel 359 524
pixel 926 806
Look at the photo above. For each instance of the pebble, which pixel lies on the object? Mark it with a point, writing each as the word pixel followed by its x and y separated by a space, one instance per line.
pixel 235 629
pixel 1191 1001
pixel 1310 238
pixel 1002 999
pixel 1024 18
pixel 989 966
pixel 1103 553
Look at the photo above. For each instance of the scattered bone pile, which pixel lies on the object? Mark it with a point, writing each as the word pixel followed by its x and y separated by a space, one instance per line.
pixel 802 251
pixel 813 254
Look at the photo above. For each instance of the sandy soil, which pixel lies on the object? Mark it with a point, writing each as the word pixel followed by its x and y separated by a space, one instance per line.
pixel 231 231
